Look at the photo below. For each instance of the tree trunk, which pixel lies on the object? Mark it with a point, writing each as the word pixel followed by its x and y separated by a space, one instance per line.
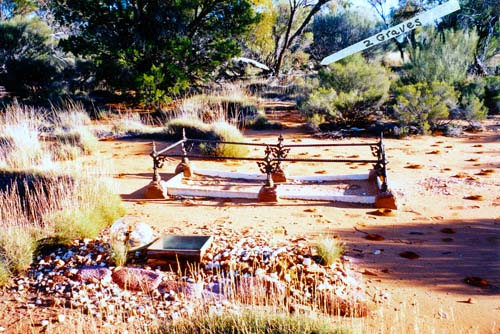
pixel 483 44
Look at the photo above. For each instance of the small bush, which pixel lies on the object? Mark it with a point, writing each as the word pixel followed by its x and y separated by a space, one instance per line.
pixel 492 94
pixel 260 122
pixel 220 130
pixel 349 92
pixel 95 208
pixel 440 56
pixel 17 245
pixel 329 250
pixel 228 132
pixel 195 129
pixel 232 104
pixel 424 105
pixel 118 252
pixel 470 109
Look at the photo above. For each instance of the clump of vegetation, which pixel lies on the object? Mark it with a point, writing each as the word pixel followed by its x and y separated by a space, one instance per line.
pixel 440 56
pixel 255 321
pixel 233 104
pixel 226 132
pixel 349 93
pixel 330 250
pixel 20 133
pixel 424 105
pixel 36 205
pixel 492 94
pixel 17 244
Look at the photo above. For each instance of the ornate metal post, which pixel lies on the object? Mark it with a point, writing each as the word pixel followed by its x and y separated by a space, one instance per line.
pixel 155 189
pixel 184 166
pixel 385 198
pixel 279 152
pixel 268 191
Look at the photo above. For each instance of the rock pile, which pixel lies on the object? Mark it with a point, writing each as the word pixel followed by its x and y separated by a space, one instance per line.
pixel 240 267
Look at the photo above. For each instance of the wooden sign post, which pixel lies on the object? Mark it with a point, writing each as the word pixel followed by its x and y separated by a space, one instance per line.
pixel 395 31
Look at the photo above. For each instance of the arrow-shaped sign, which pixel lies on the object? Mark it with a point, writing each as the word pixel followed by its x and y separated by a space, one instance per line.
pixel 395 31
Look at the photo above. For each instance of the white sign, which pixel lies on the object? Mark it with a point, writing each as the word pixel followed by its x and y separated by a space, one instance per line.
pixel 402 28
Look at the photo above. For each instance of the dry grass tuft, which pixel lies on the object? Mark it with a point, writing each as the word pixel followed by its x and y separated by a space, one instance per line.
pixel 330 250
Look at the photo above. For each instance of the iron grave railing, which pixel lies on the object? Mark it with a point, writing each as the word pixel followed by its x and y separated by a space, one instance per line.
pixel 271 163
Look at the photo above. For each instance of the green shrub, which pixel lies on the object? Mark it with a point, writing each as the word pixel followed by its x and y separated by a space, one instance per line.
pixel 228 132
pixel 260 122
pixel 349 92
pixel 424 105
pixel 98 208
pixel 329 250
pixel 471 108
pixel 492 94
pixel 439 56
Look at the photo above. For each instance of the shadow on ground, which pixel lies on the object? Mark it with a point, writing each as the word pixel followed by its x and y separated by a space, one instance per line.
pixel 449 251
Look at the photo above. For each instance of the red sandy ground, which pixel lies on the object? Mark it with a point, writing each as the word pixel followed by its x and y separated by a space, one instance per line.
pixel 424 295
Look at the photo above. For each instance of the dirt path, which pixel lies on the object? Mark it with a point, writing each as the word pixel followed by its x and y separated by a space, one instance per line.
pixel 454 237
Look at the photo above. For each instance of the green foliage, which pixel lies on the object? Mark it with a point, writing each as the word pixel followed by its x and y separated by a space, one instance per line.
pixel 98 208
pixel 349 92
pixel 220 130
pixel 335 31
pixel 492 94
pixel 149 88
pixel 17 246
pixel 470 107
pixel 329 250
pixel 156 48
pixel 424 105
pixel 253 322
pixel 442 57
pixel 28 67
pixel 228 132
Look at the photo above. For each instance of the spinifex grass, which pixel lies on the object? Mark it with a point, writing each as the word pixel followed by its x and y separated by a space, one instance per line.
pixel 329 249
pixel 252 320
pixel 38 202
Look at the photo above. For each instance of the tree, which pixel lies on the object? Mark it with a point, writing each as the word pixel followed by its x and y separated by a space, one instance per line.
pixel 28 66
pixel 334 32
pixel 483 15
pixel 442 56
pixel 295 17
pixel 157 48
pixel 11 8
pixel 260 39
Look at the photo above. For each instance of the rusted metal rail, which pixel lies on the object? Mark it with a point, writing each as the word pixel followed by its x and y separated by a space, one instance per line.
pixel 271 163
